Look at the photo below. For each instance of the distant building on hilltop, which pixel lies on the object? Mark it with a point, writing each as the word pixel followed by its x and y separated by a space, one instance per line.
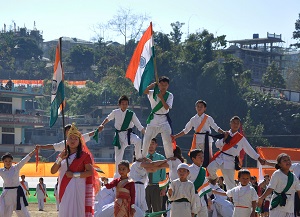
pixel 257 53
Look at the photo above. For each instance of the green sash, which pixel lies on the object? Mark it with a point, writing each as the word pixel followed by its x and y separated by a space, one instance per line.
pixel 157 107
pixel 200 179
pixel 124 127
pixel 280 199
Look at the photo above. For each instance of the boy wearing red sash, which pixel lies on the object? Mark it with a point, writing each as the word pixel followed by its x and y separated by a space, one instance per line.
pixel 125 120
pixel 41 192
pixel 224 159
pixel 201 123
pixel 159 120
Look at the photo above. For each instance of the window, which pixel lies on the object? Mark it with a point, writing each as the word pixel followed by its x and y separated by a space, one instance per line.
pixel 8 130
pixel 5 108
pixel 8 139
pixel 5 99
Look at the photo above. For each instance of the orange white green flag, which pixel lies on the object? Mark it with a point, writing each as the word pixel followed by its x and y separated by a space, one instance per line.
pixel 57 92
pixel 204 189
pixel 141 67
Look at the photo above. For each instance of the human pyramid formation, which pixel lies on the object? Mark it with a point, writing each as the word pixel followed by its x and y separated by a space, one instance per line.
pixel 137 190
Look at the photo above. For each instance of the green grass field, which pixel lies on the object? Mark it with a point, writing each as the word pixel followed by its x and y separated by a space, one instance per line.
pixel 33 199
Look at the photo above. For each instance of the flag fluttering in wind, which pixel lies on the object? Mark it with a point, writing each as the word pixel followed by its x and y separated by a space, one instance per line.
pixel 57 92
pixel 141 67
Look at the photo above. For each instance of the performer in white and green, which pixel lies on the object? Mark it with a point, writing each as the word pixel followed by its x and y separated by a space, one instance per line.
pixel 125 120
pixel 159 120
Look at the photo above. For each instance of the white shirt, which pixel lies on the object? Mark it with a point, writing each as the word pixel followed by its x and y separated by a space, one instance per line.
pixel 11 176
pixel 183 190
pixel 61 145
pixel 173 164
pixel 278 182
pixel 26 185
pixel 119 116
pixel 295 168
pixel 194 171
pixel 138 173
pixel 243 195
pixel 159 119
pixel 218 189
pixel 234 151
pixel 195 121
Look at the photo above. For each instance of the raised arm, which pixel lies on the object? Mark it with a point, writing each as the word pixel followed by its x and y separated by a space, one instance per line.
pixel 151 86
pixel 25 159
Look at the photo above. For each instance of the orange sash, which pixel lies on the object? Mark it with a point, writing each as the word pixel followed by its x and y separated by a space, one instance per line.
pixel 43 190
pixel 199 128
pixel 234 140
pixel 24 186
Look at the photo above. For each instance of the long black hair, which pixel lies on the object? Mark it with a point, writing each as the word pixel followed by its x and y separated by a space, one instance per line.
pixel 178 154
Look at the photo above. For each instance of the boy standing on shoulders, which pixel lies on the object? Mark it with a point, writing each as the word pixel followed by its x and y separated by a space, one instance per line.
pixel 125 120
pixel 197 176
pixel 201 123
pixel 181 194
pixel 159 120
pixel 229 150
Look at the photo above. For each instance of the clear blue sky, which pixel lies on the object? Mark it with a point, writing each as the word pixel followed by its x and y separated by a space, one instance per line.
pixel 238 19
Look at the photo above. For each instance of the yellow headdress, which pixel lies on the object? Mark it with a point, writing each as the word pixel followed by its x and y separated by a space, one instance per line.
pixel 73 131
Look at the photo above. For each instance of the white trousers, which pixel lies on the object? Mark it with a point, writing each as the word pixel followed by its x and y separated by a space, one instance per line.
pixel 228 174
pixel 8 204
pixel 202 147
pixel 41 203
pixel 151 132
pixel 119 153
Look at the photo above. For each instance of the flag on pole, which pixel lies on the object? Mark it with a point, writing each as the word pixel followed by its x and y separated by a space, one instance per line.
pixel 141 67
pixel 57 92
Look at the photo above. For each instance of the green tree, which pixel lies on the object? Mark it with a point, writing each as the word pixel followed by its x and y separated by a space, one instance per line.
pixel 296 33
pixel 7 45
pixel 27 49
pixel 177 33
pixel 254 133
pixel 273 77
pixel 81 58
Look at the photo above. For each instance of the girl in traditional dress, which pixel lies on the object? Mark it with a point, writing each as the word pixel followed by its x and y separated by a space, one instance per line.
pixel 75 185
pixel 125 192
pixel 13 197
pixel 283 184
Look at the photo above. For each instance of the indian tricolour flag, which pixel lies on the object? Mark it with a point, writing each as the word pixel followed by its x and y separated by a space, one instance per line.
pixel 164 183
pixel 57 92
pixel 204 189
pixel 141 67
